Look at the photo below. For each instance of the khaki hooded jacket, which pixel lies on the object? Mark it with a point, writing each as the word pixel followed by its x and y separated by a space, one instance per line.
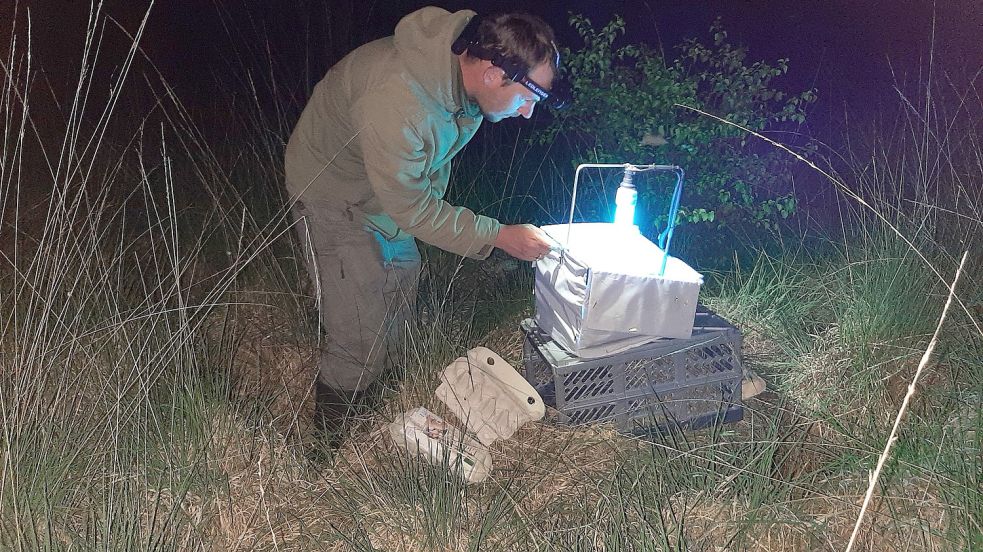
pixel 377 137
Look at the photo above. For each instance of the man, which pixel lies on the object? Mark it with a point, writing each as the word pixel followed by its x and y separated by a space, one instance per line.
pixel 368 165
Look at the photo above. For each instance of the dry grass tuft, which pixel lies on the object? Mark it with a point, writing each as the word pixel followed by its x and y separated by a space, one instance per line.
pixel 556 465
pixel 506 338
pixel 272 362
pixel 267 498
pixel 708 522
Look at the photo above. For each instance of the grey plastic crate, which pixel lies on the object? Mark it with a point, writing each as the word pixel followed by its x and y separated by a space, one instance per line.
pixel 671 383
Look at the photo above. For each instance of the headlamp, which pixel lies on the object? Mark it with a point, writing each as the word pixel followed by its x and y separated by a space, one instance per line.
pixel 514 69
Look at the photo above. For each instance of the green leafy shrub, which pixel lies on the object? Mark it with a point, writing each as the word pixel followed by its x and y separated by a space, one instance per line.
pixel 626 108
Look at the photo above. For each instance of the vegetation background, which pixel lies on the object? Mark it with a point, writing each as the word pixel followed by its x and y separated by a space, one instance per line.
pixel 157 335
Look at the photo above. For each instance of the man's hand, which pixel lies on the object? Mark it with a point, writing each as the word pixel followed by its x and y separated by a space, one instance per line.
pixel 523 241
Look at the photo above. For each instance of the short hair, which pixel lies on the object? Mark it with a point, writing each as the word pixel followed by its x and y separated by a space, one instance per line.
pixel 521 36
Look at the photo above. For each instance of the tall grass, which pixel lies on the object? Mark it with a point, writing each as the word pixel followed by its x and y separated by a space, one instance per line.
pixel 866 301
pixel 157 353
pixel 118 308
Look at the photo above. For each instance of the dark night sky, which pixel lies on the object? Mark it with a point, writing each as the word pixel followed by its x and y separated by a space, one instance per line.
pixel 834 44
pixel 844 48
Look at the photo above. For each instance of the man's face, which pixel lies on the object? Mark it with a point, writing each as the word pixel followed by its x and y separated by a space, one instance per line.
pixel 504 99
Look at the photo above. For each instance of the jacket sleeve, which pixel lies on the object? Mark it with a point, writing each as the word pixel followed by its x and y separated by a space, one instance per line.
pixel 396 164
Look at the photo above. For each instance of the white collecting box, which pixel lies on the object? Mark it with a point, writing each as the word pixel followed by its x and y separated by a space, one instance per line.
pixel 600 292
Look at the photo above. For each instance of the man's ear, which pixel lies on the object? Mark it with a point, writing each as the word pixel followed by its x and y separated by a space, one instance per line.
pixel 492 76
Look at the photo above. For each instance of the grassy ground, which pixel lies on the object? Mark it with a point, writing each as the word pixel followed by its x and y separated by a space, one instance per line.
pixel 157 346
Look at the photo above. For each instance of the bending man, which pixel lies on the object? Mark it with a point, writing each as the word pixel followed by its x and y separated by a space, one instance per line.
pixel 369 160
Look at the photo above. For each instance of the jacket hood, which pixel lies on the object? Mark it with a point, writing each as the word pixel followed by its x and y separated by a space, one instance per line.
pixel 423 41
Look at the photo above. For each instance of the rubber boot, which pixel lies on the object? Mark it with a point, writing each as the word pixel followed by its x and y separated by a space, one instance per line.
pixel 332 410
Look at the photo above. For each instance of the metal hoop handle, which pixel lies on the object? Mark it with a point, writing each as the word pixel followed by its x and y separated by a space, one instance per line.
pixel 665 237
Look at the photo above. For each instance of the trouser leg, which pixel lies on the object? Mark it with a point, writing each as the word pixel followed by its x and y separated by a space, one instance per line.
pixel 367 288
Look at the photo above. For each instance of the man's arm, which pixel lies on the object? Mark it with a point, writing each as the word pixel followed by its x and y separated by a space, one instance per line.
pixel 395 162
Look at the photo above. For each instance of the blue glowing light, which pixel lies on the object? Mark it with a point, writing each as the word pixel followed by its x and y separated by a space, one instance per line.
pixel 625 201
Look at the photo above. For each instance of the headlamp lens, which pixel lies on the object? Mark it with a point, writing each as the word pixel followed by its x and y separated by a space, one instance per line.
pixel 555 98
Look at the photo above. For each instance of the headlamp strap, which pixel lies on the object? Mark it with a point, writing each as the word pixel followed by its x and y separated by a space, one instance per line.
pixel 468 36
